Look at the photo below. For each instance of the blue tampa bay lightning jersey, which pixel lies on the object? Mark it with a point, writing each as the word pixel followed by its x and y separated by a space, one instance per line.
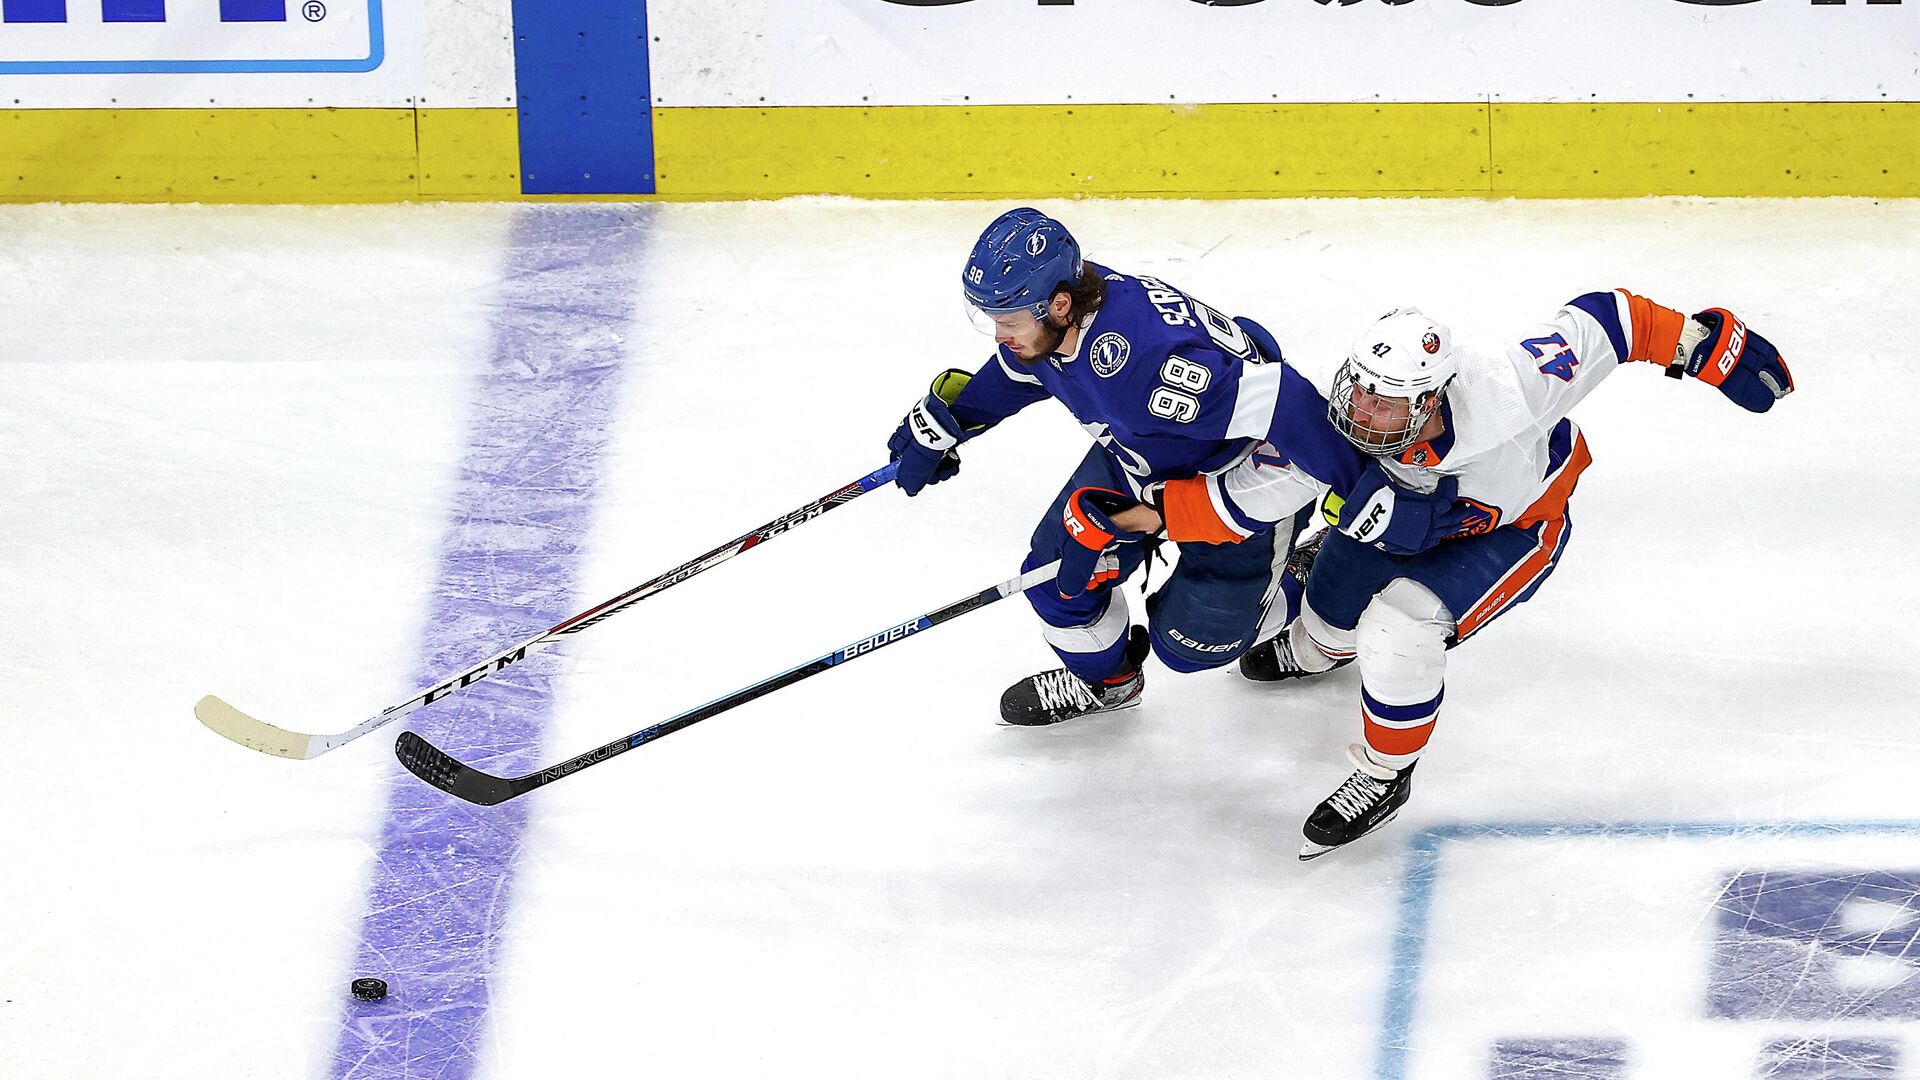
pixel 1172 389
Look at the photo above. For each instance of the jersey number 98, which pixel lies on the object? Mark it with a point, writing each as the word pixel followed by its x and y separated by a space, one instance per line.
pixel 1176 401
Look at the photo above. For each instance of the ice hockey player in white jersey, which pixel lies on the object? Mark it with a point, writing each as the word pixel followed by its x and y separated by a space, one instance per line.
pixel 1462 513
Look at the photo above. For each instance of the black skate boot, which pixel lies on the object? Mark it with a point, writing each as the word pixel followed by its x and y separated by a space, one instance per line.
pixel 1369 799
pixel 1272 660
pixel 1058 695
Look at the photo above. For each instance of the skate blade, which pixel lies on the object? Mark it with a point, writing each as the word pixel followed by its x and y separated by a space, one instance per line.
pixel 1310 851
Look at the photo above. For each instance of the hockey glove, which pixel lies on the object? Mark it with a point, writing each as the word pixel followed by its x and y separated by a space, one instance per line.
pixel 1399 521
pixel 1733 359
pixel 1089 560
pixel 926 445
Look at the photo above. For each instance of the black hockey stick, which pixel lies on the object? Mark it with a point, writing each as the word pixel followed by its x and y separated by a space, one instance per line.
pixel 280 742
pixel 442 770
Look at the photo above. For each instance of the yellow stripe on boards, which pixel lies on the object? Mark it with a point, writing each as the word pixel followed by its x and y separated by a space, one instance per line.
pixel 1725 149
pixel 469 153
pixel 257 155
pixel 1585 150
pixel 1036 150
pixel 1580 150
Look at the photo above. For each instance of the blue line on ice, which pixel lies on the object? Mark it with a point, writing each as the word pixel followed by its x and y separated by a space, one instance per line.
pixel 442 882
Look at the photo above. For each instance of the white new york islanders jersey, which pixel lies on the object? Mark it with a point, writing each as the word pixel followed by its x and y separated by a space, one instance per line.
pixel 1507 439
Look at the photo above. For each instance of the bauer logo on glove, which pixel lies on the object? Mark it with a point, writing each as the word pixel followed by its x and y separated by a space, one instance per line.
pixel 1399 520
pixel 1089 559
pixel 1719 350
pixel 926 445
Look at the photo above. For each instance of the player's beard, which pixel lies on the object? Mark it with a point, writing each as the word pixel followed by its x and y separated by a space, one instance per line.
pixel 1374 439
pixel 1370 436
pixel 1055 335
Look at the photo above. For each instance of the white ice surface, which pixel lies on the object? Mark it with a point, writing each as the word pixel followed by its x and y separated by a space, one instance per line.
pixel 227 444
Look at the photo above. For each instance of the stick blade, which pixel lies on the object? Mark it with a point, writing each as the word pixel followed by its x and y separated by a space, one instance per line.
pixel 231 723
pixel 444 771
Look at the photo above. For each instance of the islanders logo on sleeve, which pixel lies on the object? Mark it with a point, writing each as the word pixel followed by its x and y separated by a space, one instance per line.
pixel 1476 518
pixel 1108 354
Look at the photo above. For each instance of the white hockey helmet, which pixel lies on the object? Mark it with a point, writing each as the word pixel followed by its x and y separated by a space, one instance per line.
pixel 1392 381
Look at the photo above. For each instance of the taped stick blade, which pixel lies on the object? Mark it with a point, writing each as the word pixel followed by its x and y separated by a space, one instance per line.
pixel 230 723
pixel 444 771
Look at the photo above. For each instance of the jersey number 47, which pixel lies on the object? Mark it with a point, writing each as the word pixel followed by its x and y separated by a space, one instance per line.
pixel 1561 364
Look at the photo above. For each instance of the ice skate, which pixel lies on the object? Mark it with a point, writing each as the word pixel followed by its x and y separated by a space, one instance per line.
pixel 1056 696
pixel 1368 799
pixel 1273 660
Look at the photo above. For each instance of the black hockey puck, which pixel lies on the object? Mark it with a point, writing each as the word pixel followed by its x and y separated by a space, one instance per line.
pixel 370 989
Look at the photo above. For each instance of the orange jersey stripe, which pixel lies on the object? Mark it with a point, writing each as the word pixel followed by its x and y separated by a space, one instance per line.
pixel 1531 569
pixel 1552 502
pixel 1656 330
pixel 1188 508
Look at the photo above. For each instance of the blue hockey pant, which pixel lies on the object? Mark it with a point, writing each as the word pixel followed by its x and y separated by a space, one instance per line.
pixel 1219 600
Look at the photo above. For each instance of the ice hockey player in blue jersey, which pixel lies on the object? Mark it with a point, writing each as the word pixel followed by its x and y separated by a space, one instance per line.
pixel 1462 513
pixel 1177 398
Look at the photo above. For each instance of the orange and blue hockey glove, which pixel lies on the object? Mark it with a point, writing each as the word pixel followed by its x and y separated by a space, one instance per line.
pixel 1088 559
pixel 1734 360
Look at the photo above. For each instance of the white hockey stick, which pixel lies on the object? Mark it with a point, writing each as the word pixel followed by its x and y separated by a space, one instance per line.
pixel 257 734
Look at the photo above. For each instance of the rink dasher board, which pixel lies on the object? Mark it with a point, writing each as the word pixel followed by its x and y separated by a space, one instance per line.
pixel 1705 949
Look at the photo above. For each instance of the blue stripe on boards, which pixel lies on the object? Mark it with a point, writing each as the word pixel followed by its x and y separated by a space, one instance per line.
pixel 443 875
pixel 585 97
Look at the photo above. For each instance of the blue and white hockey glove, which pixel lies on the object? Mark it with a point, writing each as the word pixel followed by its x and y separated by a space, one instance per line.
pixel 926 445
pixel 1088 560
pixel 1733 359
pixel 1382 513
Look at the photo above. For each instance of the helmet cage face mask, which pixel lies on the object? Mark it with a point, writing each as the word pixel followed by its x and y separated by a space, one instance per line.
pixel 1392 382
pixel 1385 423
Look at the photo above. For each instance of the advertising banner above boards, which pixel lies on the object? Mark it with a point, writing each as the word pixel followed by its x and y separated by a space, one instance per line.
pixel 1010 52
pixel 256 53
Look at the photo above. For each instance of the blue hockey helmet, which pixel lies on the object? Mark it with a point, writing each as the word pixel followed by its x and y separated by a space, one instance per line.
pixel 1018 263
